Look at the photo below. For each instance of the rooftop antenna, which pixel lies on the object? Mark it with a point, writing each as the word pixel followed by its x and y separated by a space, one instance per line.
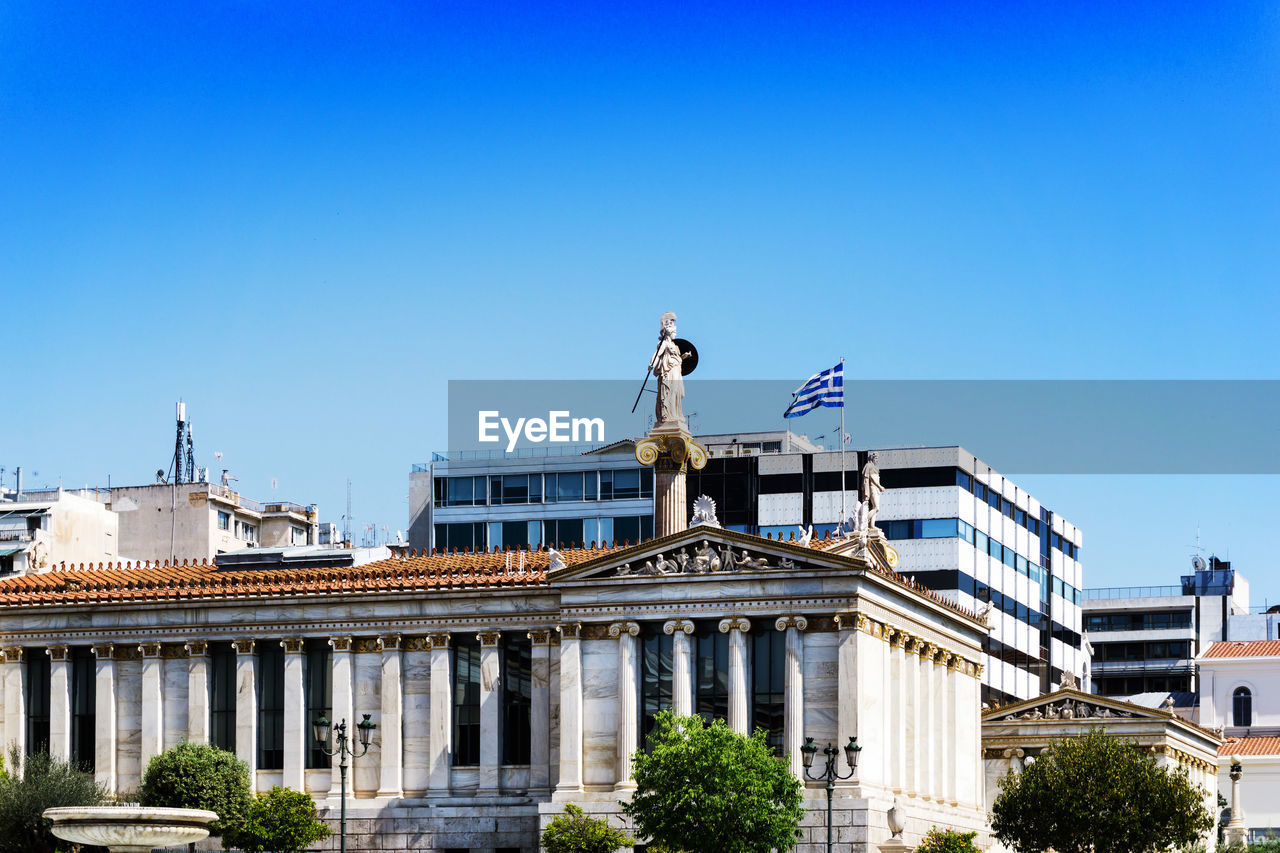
pixel 346 519
pixel 183 467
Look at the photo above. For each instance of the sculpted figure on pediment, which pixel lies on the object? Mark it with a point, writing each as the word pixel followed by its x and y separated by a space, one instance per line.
pixel 682 560
pixel 1068 711
pixel 705 558
pixel 746 561
pixel 728 562
pixel 666 567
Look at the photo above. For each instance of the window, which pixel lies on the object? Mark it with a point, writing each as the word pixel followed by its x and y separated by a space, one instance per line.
pixel 1242 707
pixel 467 535
pixel 222 696
pixel 655 676
pixel 516 489
pixel 246 531
pixel 517 696
pixel 767 686
pixel 562 488
pixel 299 535
pixel 466 701
pixel 37 690
pixel 83 698
pixel 319 690
pixel 224 520
pixel 631 529
pixel 711 673
pixel 270 706
pixel 560 532
pixel 626 484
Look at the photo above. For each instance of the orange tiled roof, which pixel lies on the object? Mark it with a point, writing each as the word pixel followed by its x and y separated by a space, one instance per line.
pixel 122 582
pixel 1243 649
pixel 1250 746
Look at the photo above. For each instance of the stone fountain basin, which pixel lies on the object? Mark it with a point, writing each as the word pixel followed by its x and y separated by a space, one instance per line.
pixel 130 829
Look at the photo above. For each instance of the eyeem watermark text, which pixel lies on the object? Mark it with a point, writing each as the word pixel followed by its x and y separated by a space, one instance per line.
pixel 557 427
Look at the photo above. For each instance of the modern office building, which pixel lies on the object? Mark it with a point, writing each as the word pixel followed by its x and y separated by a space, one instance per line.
pixel 1146 639
pixel 962 528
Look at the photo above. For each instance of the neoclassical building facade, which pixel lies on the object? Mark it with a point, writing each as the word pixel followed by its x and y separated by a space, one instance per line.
pixel 505 685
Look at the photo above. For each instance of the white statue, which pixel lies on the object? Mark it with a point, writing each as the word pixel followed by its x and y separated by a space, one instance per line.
pixel 806 536
pixel 704 512
pixel 871 491
pixel 557 559
pixel 858 521
pixel 666 567
pixel 668 367
pixel 705 558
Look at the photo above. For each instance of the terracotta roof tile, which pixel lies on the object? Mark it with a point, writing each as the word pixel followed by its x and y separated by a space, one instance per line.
pixel 1250 746
pixel 1243 649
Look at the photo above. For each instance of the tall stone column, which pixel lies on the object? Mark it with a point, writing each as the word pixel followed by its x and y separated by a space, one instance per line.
pixel 570 711
pixel 540 712
pixel 680 631
pixel 342 667
pixel 197 691
pixel 152 703
pixel 440 757
pixel 898 709
pixel 297 729
pixel 847 685
pixel 628 700
pixel 737 629
pixel 60 702
pixel 941 725
pixel 913 715
pixel 793 690
pixel 950 724
pixel 391 776
pixel 15 698
pixel 927 743
pixel 670 451
pixel 247 707
pixel 490 774
pixel 104 717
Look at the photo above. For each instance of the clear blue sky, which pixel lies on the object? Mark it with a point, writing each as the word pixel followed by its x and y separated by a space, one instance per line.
pixel 305 218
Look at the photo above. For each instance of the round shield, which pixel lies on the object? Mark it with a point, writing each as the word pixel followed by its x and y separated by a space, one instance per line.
pixel 690 353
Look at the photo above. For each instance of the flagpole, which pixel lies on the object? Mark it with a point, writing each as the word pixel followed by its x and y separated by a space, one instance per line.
pixel 843 513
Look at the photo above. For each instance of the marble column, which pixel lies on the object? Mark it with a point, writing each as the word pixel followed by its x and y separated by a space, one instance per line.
pixel 941 725
pixel 104 716
pixel 847 686
pixel 951 724
pixel 926 743
pixel 490 773
pixel 737 629
pixel 152 743
pixel 297 729
pixel 247 707
pixel 440 757
pixel 793 691
pixel 898 709
pixel 570 710
pixel 342 668
pixel 197 691
pixel 60 702
pixel 540 712
pixel 15 700
pixel 391 730
pixel 680 631
pixel 913 715
pixel 628 699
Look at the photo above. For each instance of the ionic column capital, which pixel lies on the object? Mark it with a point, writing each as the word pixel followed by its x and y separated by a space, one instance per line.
pixel 59 652
pixel 735 623
pixel 243 646
pixel 927 650
pixel 389 643
pixel 151 649
pixel 489 639
pixel 12 654
pixel 627 627
pixel 438 640
pixel 682 625
pixel 540 636
pixel 195 648
pixel 292 645
pixel 785 622
pixel 897 637
pixel 340 644
pixel 570 630
pixel 851 620
pixel 103 651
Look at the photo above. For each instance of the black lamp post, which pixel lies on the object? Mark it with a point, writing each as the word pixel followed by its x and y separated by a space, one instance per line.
pixel 851 750
pixel 320 730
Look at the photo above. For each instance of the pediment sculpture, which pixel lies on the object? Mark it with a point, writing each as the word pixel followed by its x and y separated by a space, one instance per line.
pixel 1067 709
pixel 705 558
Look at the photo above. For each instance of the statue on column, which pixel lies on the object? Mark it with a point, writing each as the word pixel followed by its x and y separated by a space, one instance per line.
pixel 668 367
pixel 871 491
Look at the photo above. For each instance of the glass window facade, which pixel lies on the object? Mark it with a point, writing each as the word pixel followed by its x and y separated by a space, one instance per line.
pixel 317 674
pixel 655 676
pixel 711 672
pixel 270 706
pixel 768 673
pixel 222 696
pixel 37 696
pixel 84 668
pixel 466 701
pixel 517 696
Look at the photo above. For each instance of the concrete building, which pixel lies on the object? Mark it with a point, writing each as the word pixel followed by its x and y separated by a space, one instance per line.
pixel 507 684
pixel 39 530
pixel 964 529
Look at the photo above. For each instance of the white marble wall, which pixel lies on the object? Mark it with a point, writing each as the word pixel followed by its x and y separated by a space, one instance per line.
pixel 599 711
pixel 129 724
pixel 417 718
pixel 820 686
pixel 368 700
pixel 175 687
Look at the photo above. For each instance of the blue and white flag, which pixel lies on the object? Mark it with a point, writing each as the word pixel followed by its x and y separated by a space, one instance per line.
pixel 822 389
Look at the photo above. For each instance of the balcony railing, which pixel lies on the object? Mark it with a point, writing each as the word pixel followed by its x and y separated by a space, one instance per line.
pixel 16 536
pixel 1112 592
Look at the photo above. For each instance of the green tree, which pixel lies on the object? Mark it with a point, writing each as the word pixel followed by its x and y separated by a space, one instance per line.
pixel 1098 794
pixel 708 788
pixel 32 784
pixel 281 820
pixel 574 832
pixel 198 776
pixel 947 841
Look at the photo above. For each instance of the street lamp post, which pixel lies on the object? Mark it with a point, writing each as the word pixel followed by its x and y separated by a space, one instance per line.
pixel 851 750
pixel 320 730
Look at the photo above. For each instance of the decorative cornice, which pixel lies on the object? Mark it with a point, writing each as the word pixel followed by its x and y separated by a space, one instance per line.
pixel 340 644
pixel 58 653
pixel 618 629
pixel 293 645
pixel 151 649
pixel 672 626
pixel 243 645
pixel 489 639
pixel 785 622
pixel 389 643
pixel 735 623
pixel 197 648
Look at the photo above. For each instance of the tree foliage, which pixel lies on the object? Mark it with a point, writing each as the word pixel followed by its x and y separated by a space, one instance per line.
pixel 198 776
pixel 575 832
pixel 32 784
pixel 281 820
pixel 708 788
pixel 947 841
pixel 1098 794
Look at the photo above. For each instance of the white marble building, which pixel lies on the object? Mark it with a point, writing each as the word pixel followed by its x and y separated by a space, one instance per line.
pixel 505 685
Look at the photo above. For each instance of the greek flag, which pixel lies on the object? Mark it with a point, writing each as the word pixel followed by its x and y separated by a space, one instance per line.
pixel 822 389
